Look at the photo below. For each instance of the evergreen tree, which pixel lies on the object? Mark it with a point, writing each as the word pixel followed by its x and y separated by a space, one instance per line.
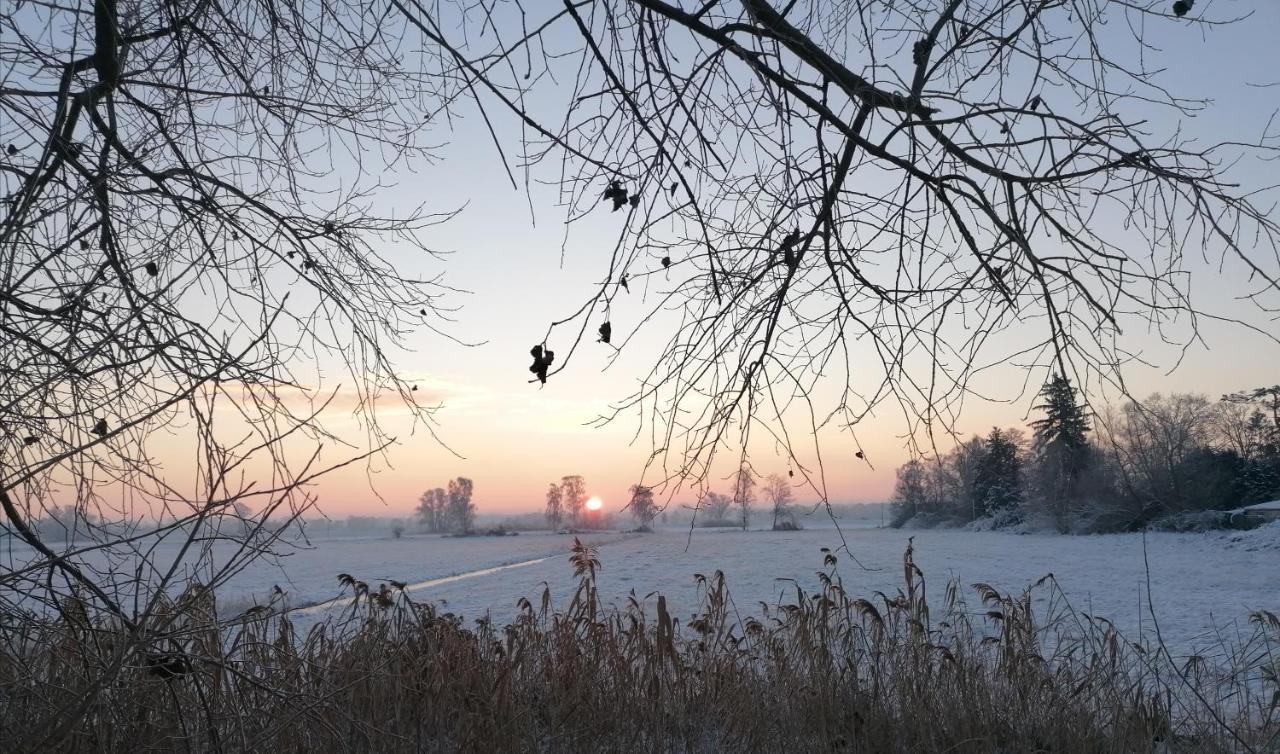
pixel 1061 442
pixel 1065 425
pixel 998 482
pixel 1260 476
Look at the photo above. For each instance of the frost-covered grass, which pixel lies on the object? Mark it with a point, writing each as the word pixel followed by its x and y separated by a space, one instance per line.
pixel 1200 584
pixel 914 669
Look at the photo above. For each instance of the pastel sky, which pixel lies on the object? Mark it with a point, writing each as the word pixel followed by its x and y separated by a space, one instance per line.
pixel 522 271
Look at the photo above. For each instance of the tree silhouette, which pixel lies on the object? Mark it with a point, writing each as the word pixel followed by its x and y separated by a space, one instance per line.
pixel 1061 445
pixel 643 508
pixel 998 483
pixel 555 509
pixel 777 492
pixel 573 496
pixel 1063 430
pixel 857 194
pixel 911 494
pixel 717 506
pixel 744 495
pixel 460 512
pixel 184 244
pixel 1251 421
pixel 860 194
pixel 432 510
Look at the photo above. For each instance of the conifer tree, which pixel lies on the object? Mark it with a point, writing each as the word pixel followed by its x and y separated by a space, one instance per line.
pixel 998 483
pixel 1062 447
pixel 1065 426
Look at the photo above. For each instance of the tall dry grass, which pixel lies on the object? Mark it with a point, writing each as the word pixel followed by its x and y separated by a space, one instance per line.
pixel 827 672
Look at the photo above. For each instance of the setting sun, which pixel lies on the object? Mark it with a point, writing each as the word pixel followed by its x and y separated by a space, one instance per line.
pixel 595 504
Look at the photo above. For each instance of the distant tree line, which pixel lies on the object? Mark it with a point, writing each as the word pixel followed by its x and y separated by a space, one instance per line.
pixel 448 510
pixel 719 509
pixel 1170 461
pixel 735 509
pixel 566 500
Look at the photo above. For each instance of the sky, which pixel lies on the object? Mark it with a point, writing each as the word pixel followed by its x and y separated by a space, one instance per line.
pixel 510 252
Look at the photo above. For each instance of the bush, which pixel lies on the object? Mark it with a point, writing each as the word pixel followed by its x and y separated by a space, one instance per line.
pixel 493 531
pixel 1001 519
pixel 1192 521
pixel 715 523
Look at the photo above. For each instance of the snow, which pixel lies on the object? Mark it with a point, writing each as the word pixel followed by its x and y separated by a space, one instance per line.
pixel 1199 583
pixel 1265 537
pixel 1273 505
pixel 307 571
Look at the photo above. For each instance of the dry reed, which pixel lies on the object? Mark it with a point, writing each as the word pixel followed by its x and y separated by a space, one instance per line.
pixel 827 672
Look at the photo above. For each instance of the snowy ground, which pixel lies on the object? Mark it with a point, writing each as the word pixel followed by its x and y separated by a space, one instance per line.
pixel 1200 583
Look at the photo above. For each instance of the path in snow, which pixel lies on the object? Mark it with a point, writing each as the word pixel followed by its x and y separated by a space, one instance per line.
pixel 345 602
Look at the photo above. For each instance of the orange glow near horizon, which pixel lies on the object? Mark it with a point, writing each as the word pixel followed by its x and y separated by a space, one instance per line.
pixel 595 504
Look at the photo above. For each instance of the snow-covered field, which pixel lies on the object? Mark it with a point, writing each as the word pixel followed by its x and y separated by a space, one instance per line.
pixel 1200 583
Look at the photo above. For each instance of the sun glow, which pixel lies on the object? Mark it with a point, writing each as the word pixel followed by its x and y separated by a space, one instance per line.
pixel 595 504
